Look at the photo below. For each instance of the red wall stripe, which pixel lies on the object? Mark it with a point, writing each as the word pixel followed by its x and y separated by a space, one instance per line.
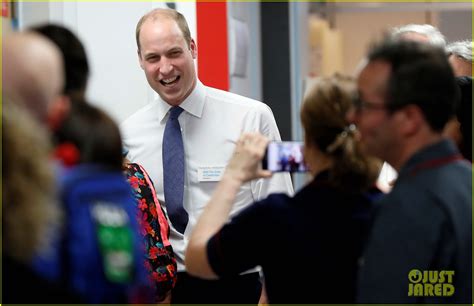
pixel 213 64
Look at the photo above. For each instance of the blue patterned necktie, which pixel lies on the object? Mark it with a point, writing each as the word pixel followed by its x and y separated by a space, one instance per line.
pixel 173 170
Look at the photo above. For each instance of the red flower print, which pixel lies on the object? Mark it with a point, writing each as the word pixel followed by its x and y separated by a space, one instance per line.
pixel 133 182
pixel 159 261
pixel 147 229
pixel 142 204
pixel 153 252
pixel 153 212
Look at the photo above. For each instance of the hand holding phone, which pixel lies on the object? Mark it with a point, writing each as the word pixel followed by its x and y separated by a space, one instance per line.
pixel 285 156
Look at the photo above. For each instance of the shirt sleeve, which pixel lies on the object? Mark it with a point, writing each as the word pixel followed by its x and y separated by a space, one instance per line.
pixel 263 121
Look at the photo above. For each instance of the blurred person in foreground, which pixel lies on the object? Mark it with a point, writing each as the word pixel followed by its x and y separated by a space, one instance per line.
pixel 33 75
pixel 424 33
pixel 76 65
pixel 29 208
pixel 323 227
pixel 99 203
pixel 407 94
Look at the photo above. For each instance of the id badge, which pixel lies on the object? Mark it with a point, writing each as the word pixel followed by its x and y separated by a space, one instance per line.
pixel 210 174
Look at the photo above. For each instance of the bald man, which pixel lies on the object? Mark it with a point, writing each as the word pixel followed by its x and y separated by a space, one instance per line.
pixel 33 74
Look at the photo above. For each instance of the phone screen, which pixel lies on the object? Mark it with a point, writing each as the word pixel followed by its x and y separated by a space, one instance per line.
pixel 285 156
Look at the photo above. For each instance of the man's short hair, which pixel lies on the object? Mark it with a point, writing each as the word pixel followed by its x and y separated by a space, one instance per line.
pixel 433 35
pixel 420 75
pixel 461 49
pixel 165 13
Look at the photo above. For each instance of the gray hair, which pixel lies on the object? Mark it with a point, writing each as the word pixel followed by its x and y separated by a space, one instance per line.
pixel 433 34
pixel 461 49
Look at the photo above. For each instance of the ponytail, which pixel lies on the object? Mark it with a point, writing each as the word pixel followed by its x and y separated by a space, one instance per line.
pixel 353 171
pixel 323 116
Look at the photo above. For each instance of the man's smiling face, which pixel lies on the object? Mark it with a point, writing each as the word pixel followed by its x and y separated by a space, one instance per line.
pixel 167 59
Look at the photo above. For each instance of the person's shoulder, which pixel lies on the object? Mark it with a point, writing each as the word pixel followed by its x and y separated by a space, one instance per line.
pixel 229 98
pixel 143 113
pixel 438 182
pixel 408 200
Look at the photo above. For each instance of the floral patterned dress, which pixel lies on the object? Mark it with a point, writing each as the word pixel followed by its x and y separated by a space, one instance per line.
pixel 159 257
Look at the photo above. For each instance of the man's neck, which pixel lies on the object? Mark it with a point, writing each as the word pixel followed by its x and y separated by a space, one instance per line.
pixel 412 146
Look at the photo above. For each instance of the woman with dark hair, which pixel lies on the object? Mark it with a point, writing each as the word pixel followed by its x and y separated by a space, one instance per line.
pixel 76 65
pixel 307 245
pixel 90 137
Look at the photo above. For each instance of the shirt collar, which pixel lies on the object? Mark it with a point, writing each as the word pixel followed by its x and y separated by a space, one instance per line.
pixel 438 150
pixel 193 104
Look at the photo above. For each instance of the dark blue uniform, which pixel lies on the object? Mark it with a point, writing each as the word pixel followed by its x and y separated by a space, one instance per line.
pixel 423 224
pixel 308 246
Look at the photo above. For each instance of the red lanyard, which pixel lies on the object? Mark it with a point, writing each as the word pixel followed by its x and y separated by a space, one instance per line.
pixel 433 163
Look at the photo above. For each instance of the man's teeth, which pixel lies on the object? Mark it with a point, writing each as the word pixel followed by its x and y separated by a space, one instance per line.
pixel 171 80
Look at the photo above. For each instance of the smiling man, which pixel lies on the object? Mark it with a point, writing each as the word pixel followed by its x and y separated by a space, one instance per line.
pixel 184 140
pixel 407 93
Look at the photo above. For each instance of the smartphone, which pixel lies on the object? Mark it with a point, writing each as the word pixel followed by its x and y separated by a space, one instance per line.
pixel 284 156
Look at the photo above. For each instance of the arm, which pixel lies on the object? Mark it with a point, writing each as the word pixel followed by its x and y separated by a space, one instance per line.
pixel 242 167
pixel 263 297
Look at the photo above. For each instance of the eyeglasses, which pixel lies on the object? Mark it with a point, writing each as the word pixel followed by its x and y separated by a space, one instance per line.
pixel 361 105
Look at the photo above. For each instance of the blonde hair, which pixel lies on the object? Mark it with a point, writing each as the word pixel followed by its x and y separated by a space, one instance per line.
pixel 29 209
pixel 164 13
pixel 323 115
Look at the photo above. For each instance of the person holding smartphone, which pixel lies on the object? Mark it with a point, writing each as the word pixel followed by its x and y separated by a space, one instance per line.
pixel 318 234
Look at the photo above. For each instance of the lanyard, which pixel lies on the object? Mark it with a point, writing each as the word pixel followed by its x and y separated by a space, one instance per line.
pixel 437 162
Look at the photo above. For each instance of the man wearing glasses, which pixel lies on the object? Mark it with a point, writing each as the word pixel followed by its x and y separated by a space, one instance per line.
pixel 407 93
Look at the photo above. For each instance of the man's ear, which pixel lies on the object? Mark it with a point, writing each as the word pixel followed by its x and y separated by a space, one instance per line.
pixel 193 48
pixel 140 61
pixel 58 111
pixel 410 119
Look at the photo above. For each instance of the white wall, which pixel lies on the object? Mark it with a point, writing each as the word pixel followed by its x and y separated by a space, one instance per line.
pixel 107 30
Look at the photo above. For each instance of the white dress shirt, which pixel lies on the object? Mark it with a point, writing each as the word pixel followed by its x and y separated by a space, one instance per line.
pixel 211 123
